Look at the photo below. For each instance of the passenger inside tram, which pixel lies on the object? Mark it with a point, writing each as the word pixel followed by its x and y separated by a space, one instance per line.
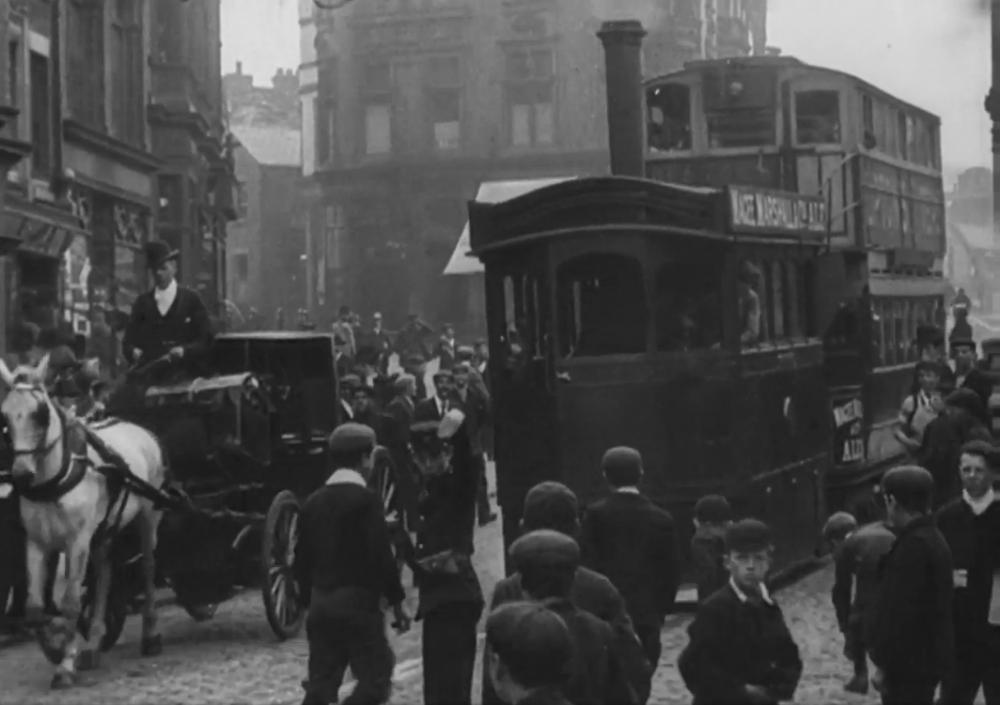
pixel 688 311
pixel 749 287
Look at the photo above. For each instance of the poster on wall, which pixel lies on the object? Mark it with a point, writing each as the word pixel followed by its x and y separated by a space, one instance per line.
pixel 76 276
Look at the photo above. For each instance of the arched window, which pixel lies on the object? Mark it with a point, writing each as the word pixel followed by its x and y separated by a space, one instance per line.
pixel 602 306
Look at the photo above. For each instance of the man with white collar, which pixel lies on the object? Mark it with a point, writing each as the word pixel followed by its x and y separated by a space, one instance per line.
pixel 345 565
pixel 170 320
pixel 971 526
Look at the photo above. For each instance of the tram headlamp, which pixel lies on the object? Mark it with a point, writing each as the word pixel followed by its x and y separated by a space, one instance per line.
pixel 735 89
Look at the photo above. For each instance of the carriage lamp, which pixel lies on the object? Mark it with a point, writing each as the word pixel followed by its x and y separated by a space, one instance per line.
pixel 735 89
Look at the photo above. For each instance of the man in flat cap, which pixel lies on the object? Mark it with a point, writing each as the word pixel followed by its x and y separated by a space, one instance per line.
pixel 168 321
pixel 910 633
pixel 345 566
pixel 436 406
pixel 553 506
pixel 632 541
pixel 547 562
pixel 740 649
pixel 451 599
pixel 959 422
pixel 970 525
pixel 528 654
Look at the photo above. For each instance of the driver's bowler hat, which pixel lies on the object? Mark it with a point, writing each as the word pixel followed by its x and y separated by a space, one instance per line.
pixel 158 252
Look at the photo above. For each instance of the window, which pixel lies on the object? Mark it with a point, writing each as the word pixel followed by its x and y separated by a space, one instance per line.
pixel 378 108
pixel 242 200
pixel 326 135
pixel 773 303
pixel 817 117
pixel 688 304
pixel 241 266
pixel 669 118
pixel 127 119
pixel 602 306
pixel 902 136
pixel 444 84
pixel 868 118
pixel 85 63
pixel 894 327
pixel 41 122
pixel 529 98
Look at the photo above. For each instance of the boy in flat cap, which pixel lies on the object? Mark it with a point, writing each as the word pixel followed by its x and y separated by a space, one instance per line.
pixel 451 599
pixel 712 515
pixel 547 561
pixel 553 506
pixel 632 541
pixel 857 554
pixel 170 320
pixel 528 654
pixel 345 566
pixel 970 525
pixel 740 650
pixel 910 633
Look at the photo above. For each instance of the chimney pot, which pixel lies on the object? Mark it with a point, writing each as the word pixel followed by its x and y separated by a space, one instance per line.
pixel 622 40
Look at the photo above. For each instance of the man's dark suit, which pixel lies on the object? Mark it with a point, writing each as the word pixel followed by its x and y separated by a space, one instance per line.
pixel 428 410
pixel 186 324
pixel 399 415
pixel 632 541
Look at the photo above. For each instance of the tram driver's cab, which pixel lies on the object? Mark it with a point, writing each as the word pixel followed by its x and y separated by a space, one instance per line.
pixel 626 313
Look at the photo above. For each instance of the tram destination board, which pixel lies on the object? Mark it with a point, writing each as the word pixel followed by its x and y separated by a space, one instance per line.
pixel 756 210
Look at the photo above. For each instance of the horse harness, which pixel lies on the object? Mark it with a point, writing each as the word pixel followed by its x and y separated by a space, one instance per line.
pixel 75 466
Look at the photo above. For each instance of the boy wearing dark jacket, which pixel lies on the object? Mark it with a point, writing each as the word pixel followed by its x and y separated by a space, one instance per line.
pixel 910 631
pixel 971 526
pixel 712 514
pixel 740 650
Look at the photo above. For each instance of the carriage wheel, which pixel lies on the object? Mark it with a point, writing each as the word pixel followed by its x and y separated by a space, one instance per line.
pixel 115 612
pixel 282 601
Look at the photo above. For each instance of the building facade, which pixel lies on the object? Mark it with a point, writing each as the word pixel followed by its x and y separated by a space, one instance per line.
pixel 973 259
pixel 195 184
pixel 407 107
pixel 266 244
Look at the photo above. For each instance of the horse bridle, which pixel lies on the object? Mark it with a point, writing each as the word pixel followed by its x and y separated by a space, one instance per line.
pixel 43 448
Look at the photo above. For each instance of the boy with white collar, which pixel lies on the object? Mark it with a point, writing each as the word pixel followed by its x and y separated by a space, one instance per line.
pixel 971 526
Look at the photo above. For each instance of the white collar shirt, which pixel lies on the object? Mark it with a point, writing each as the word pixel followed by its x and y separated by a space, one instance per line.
pixel 764 594
pixel 165 297
pixel 347 476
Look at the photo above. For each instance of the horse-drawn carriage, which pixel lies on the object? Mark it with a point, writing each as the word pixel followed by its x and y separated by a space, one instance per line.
pixel 244 445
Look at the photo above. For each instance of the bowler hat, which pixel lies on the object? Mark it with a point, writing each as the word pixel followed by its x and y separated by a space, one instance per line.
pixel 965 398
pixel 545 547
pixel 713 508
pixel 351 438
pixel 158 252
pixel 748 535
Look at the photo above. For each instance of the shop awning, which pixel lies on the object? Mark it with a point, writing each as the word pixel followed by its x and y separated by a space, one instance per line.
pixel 38 232
pixel 463 263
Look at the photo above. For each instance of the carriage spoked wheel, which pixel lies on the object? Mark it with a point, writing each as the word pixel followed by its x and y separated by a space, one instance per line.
pixel 383 483
pixel 282 599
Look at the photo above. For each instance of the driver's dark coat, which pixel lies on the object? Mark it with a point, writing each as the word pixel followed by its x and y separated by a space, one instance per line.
pixel 186 324
pixel 448 517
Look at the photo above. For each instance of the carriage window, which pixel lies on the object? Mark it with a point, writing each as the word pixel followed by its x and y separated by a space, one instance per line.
pixel 752 305
pixel 602 306
pixel 669 118
pixel 817 117
pixel 688 306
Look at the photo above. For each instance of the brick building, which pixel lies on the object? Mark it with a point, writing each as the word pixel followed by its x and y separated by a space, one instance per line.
pixel 409 105
pixel 266 246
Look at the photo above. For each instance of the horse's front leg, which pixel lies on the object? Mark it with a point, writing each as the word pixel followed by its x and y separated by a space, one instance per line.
pixel 60 638
pixel 100 558
pixel 149 521
pixel 37 565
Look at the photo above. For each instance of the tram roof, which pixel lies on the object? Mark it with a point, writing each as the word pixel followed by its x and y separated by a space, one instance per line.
pixel 639 204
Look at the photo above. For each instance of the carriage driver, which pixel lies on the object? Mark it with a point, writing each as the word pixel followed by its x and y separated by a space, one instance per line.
pixel 169 321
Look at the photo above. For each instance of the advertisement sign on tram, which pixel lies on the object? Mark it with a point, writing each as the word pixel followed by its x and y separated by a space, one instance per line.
pixel 848 429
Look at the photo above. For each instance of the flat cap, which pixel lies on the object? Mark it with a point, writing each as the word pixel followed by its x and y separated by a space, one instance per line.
pixel 549 504
pixel 839 525
pixel 965 398
pixel 748 535
pixel 401 382
pixel 713 508
pixel 907 479
pixel 532 641
pixel 365 389
pixel 443 374
pixel 425 428
pixel 464 351
pixel 415 359
pixel 351 438
pixel 621 458
pixel 545 547
pixel 350 381
pixel 461 366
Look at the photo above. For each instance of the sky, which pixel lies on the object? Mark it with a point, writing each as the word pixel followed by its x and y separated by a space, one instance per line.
pixel 934 53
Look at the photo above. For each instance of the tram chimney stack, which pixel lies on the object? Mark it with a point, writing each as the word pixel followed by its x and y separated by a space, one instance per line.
pixel 622 40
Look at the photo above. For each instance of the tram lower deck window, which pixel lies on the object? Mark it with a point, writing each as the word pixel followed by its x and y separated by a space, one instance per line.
pixel 602 306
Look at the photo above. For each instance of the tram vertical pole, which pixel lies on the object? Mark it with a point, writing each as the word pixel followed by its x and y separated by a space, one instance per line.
pixel 993 108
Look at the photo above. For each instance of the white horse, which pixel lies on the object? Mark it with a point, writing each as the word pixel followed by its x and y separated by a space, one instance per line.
pixel 64 501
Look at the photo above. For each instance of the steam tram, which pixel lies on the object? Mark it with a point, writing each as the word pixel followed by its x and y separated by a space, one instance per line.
pixel 736 300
